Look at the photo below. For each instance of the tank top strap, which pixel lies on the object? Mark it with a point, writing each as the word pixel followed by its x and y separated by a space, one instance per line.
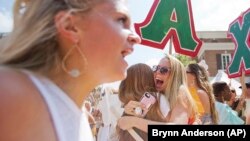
pixel 69 120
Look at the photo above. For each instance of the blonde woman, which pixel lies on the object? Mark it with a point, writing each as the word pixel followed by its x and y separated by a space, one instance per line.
pixel 202 92
pixel 170 78
pixel 58 51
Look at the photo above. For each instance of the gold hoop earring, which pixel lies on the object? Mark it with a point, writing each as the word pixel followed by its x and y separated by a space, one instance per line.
pixel 75 72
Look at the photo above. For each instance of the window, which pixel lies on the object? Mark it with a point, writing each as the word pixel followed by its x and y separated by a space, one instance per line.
pixel 225 60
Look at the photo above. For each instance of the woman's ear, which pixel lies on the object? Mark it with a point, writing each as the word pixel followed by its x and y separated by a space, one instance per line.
pixel 65 25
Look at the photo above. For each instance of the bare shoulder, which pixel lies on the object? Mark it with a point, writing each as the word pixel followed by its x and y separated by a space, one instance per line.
pixel 183 92
pixel 21 106
pixel 184 97
pixel 180 112
pixel 204 98
pixel 203 95
pixel 14 83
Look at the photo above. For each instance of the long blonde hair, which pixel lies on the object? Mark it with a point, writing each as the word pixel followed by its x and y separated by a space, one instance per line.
pixel 178 82
pixel 33 42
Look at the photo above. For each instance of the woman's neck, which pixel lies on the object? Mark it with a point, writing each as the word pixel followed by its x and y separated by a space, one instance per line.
pixel 76 88
pixel 220 99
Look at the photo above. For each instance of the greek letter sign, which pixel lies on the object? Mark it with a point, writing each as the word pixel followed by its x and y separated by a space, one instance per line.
pixel 166 19
pixel 239 31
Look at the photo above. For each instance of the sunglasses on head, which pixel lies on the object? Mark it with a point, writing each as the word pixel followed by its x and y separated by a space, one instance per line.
pixel 163 70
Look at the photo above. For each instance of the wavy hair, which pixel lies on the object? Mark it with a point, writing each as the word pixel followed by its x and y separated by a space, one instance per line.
pixel 33 42
pixel 177 83
pixel 140 79
pixel 201 77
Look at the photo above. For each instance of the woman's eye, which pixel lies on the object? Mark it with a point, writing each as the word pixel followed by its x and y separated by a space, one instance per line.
pixel 122 20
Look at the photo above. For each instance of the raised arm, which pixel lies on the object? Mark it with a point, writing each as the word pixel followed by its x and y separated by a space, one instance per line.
pixel 128 122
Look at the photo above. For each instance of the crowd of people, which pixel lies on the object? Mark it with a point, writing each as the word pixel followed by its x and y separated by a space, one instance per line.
pixel 184 95
pixel 48 69
pixel 53 58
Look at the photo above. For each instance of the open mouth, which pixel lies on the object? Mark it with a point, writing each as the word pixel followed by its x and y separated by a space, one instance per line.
pixel 158 83
pixel 127 52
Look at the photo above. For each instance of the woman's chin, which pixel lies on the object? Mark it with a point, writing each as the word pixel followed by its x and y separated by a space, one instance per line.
pixel 118 77
pixel 159 87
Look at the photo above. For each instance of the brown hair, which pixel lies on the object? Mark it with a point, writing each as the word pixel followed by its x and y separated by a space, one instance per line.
pixel 139 79
pixel 221 91
pixel 201 76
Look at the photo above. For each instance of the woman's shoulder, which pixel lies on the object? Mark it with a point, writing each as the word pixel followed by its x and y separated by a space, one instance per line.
pixel 13 81
pixel 183 92
pixel 184 97
pixel 15 89
pixel 203 95
pixel 20 105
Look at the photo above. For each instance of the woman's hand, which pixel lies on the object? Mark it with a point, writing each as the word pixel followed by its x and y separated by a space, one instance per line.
pixel 133 108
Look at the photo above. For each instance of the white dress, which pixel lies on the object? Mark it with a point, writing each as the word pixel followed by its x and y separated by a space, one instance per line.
pixel 70 122
pixel 110 107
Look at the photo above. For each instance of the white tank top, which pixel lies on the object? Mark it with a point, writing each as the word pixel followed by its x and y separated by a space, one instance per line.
pixel 70 122
pixel 164 105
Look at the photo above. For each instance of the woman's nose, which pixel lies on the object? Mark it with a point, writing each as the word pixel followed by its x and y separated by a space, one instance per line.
pixel 134 38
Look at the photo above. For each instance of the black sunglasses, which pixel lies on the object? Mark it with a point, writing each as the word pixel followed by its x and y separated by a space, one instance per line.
pixel 163 70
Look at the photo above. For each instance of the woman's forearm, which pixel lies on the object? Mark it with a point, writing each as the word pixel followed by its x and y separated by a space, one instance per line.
pixel 142 124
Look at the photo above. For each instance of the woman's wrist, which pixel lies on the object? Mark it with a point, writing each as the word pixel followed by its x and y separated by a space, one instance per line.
pixel 134 121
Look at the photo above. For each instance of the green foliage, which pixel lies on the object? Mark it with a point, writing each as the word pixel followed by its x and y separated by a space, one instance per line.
pixel 185 59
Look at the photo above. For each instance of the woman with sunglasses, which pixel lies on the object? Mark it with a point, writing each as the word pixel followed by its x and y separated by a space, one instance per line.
pixel 202 91
pixel 170 79
pixel 51 61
